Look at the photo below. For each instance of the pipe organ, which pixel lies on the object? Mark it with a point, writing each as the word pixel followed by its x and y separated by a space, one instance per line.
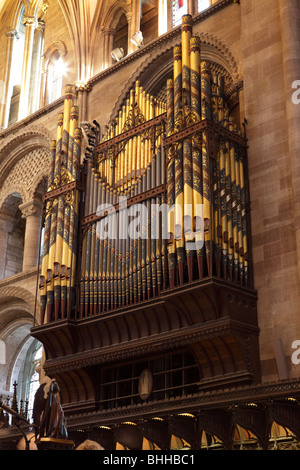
pixel 61 201
pixel 164 201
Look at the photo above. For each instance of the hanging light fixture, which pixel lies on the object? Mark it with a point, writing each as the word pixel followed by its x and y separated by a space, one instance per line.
pixel 118 54
pixel 137 39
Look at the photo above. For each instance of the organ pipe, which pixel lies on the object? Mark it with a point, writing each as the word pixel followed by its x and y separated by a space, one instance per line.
pixel 165 199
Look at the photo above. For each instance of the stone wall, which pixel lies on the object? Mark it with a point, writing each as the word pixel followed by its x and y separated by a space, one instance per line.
pixel 251 39
pixel 276 263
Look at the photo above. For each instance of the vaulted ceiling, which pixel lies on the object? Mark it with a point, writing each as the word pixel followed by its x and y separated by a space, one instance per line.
pixel 85 19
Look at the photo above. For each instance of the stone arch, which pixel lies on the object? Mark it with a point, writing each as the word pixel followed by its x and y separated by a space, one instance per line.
pixel 17 293
pixel 56 51
pixel 17 307
pixel 25 161
pixel 11 202
pixel 13 10
pixel 26 175
pixel 114 13
pixel 156 68
pixel 25 164
pixel 19 144
pixel 56 47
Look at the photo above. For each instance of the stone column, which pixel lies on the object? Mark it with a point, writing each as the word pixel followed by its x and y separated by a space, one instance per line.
pixel 163 14
pixel 192 7
pixel 108 35
pixel 31 23
pixel 12 36
pixel 32 211
pixel 36 78
pixel 133 27
pixel 86 90
pixel 290 39
pixel 43 88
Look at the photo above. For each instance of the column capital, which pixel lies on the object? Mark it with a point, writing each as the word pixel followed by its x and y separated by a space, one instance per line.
pixel 12 33
pixel 108 31
pixel 83 86
pixel 30 21
pixel 41 26
pixel 31 208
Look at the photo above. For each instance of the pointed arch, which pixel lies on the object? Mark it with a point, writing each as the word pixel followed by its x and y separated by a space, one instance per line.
pixel 156 68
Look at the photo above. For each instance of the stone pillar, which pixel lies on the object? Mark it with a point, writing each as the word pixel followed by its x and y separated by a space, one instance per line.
pixel 133 20
pixel 108 34
pixel 83 90
pixel 43 88
pixel 32 211
pixel 290 39
pixel 12 36
pixel 36 78
pixel 163 16
pixel 31 23
pixel 192 7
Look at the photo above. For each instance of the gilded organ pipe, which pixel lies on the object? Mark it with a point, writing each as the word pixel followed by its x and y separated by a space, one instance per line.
pixel 165 199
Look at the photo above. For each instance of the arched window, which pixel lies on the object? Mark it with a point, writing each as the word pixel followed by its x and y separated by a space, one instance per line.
pixel 182 7
pixel 120 40
pixel 28 378
pixel 34 379
pixel 56 71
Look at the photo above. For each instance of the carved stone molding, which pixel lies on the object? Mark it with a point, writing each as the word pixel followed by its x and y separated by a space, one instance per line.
pixel 25 175
pixel 12 33
pixel 30 21
pixel 31 208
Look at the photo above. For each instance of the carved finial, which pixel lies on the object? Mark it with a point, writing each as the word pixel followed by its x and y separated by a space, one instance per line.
pixel 14 405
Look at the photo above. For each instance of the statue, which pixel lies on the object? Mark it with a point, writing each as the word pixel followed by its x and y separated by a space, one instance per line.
pixel 48 413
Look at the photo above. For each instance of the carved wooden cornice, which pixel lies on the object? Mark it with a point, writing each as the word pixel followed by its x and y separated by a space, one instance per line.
pixel 262 394
pixel 141 347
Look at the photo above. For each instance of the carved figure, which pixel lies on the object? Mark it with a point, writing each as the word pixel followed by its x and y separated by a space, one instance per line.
pixel 52 420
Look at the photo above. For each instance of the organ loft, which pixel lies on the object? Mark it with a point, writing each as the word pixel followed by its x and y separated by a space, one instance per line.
pixel 149 294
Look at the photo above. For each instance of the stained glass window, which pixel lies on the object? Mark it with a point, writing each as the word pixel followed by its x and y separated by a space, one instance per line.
pixel 179 9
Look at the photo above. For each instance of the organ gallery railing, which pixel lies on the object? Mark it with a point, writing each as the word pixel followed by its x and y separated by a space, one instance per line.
pixel 165 200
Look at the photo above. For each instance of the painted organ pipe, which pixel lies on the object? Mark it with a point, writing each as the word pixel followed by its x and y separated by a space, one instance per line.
pixel 58 267
pixel 197 94
pixel 117 269
pixel 163 206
